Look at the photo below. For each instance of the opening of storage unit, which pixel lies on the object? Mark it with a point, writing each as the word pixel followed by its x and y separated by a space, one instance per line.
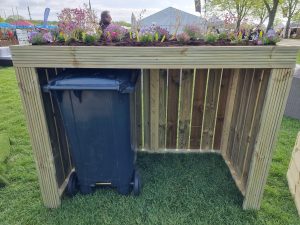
pixel 182 110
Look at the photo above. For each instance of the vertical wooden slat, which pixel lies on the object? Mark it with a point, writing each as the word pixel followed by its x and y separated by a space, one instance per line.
pixel 254 103
pixel 163 77
pixel 138 112
pixel 133 130
pixel 227 73
pixel 240 116
pixel 146 108
pixel 232 95
pixel 154 109
pixel 173 93
pixel 237 105
pixel 210 109
pixel 41 143
pixel 270 121
pixel 259 102
pixel 198 108
pixel 60 165
pixel 184 118
pixel 217 109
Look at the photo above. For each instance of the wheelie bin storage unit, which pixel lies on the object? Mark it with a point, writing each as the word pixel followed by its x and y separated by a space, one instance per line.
pixel 95 109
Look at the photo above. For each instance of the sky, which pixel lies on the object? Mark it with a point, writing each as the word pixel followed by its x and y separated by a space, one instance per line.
pixel 120 9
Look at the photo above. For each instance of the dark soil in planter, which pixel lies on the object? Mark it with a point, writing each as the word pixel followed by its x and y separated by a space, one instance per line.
pixel 169 43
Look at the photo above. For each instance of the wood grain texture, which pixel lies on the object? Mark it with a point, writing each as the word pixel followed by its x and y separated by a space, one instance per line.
pixel 270 121
pixel 154 109
pixel 227 73
pixel 41 144
pixel 146 108
pixel 163 98
pixel 185 103
pixel 154 57
pixel 138 112
pixel 198 108
pixel 210 108
pixel 173 97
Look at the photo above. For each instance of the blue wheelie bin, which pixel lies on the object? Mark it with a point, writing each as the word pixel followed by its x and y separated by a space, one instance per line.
pixel 95 109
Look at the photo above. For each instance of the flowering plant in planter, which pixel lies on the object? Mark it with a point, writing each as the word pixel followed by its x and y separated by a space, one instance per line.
pixel 115 32
pixel 37 38
pixel 271 38
pixel 194 32
pixel 74 22
pixel 183 38
pixel 152 33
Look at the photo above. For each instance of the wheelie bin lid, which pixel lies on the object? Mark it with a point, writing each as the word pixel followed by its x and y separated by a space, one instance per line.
pixel 87 79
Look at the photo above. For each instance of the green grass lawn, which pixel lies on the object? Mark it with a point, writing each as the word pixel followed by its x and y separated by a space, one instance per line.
pixel 298 58
pixel 178 189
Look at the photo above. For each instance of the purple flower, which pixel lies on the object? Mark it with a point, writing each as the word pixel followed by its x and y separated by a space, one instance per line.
pixel 271 34
pixel 115 32
pixel 31 35
pixel 47 37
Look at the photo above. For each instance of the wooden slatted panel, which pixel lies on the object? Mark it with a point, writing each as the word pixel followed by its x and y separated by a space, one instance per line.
pixel 38 130
pixel 138 112
pixel 235 112
pixel 231 98
pixel 241 109
pixel 154 109
pixel 146 108
pixel 185 107
pixel 227 73
pixel 198 108
pixel 173 93
pixel 256 98
pixel 210 108
pixel 63 140
pixel 163 88
pixel 270 121
pixel 60 165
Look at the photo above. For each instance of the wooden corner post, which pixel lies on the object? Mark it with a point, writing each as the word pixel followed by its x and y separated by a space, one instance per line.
pixel 30 92
pixel 275 101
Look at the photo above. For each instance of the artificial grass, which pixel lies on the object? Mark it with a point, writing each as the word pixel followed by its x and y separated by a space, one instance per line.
pixel 178 189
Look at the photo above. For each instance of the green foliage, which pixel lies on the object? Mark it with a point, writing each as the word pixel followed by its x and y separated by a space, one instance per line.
pixel 146 38
pixel 78 34
pixel 223 36
pixel 211 38
pixel 239 8
pixel 2 20
pixel 60 38
pixel 38 39
pixel 193 31
pixel 90 38
pixel 13 18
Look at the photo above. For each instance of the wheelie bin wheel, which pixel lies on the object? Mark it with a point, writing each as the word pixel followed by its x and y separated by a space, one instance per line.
pixel 136 184
pixel 72 187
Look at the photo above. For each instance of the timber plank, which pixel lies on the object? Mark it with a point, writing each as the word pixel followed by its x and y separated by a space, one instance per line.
pixel 173 93
pixel 210 110
pixel 185 103
pixel 227 73
pixel 198 108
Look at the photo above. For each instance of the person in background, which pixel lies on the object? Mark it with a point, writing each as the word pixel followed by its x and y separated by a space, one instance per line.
pixel 105 20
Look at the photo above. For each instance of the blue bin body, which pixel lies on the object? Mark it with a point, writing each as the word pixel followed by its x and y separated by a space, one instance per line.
pixel 95 108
